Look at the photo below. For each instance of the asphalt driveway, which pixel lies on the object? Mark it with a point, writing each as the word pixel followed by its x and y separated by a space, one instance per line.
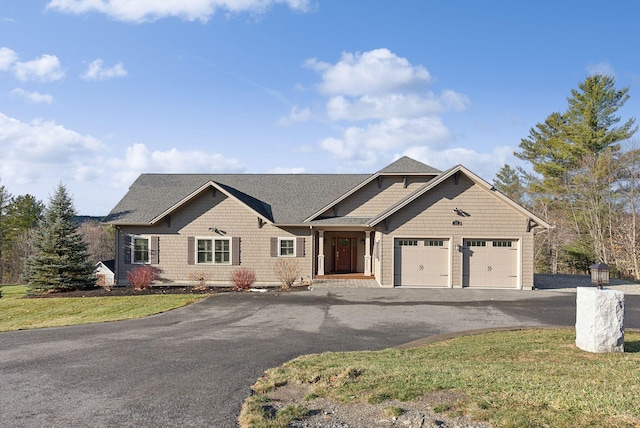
pixel 192 367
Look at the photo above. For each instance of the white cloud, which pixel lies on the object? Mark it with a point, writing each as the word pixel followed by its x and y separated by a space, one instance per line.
pixel 379 71
pixel 33 97
pixel 7 58
pixel 394 105
pixel 32 152
pixel 296 115
pixel 189 10
pixel 96 71
pixel 388 97
pixel 486 165
pixel 601 68
pixel 42 141
pixel 35 156
pixel 47 68
pixel 138 158
pixel 285 170
pixel 366 143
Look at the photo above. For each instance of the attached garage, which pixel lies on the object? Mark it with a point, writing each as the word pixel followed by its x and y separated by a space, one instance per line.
pixel 420 262
pixel 490 263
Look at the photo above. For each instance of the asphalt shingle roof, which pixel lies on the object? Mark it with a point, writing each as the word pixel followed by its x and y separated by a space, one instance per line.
pixel 408 165
pixel 281 198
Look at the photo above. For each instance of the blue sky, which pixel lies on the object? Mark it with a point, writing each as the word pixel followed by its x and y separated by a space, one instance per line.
pixel 95 92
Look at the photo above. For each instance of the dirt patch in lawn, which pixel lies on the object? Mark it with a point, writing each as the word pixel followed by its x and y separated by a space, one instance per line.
pixel 432 410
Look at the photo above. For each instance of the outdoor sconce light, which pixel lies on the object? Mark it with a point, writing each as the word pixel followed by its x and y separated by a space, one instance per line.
pixel 460 212
pixel 218 231
pixel 599 274
pixel 458 247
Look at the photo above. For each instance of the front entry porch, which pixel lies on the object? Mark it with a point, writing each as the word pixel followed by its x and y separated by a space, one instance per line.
pixel 343 252
pixel 347 276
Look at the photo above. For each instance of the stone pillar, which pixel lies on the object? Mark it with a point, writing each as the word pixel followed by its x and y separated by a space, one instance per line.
pixel 320 252
pixel 599 320
pixel 367 253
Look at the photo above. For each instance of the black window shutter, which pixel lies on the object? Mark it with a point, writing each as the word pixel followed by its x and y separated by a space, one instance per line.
pixel 191 250
pixel 274 247
pixel 127 250
pixel 235 251
pixel 300 246
pixel 155 250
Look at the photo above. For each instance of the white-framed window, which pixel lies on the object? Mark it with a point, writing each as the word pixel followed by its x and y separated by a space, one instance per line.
pixel 286 247
pixel 204 251
pixel 140 249
pixel 213 251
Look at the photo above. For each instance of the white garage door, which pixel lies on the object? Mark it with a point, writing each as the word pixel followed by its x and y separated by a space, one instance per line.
pixel 490 263
pixel 421 262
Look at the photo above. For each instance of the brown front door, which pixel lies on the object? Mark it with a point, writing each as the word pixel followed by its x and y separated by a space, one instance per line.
pixel 343 255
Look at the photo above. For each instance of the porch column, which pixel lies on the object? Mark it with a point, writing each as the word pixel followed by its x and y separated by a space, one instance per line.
pixel 367 253
pixel 320 252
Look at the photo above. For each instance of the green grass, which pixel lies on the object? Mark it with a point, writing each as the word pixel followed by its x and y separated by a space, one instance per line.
pixel 256 414
pixel 524 378
pixel 17 313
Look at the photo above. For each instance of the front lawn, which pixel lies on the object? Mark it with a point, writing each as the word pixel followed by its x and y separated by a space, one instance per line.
pixel 530 378
pixel 18 313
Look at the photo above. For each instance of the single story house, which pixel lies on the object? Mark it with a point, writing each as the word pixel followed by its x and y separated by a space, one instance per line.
pixel 407 225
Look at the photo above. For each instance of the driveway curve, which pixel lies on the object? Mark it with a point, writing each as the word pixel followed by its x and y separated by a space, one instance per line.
pixel 193 367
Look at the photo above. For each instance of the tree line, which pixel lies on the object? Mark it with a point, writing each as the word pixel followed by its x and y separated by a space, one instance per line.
pixel 34 235
pixel 582 175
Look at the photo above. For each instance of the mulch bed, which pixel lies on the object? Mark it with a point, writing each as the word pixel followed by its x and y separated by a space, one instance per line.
pixel 130 291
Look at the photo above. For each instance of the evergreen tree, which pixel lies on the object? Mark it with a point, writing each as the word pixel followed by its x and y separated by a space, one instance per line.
pixel 591 115
pixel 575 157
pixel 61 260
pixel 508 182
pixel 556 147
pixel 22 218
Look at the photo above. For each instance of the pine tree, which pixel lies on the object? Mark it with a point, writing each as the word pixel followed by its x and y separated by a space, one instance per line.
pixel 575 157
pixel 508 182
pixel 23 215
pixel 61 260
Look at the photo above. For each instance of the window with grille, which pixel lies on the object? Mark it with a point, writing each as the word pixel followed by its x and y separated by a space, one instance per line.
pixel 408 243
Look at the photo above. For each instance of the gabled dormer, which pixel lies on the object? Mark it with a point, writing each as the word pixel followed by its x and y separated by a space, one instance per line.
pixel 380 191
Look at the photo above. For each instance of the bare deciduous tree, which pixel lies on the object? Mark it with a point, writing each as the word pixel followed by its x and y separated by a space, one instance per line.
pixel 100 239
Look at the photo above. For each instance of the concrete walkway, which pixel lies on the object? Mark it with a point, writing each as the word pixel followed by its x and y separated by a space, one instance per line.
pixel 344 283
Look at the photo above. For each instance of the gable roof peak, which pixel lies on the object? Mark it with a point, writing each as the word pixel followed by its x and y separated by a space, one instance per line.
pixel 407 165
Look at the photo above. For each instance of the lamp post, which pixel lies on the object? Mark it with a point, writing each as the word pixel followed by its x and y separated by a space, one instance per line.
pixel 599 274
pixel 599 314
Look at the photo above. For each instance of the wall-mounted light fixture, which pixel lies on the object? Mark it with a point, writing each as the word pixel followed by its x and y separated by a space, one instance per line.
pixel 218 231
pixel 461 213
